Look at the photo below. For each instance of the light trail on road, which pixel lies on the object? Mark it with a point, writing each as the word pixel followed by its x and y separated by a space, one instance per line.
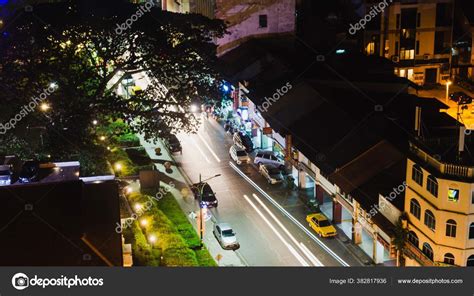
pixel 200 150
pixel 209 148
pixel 283 211
pixel 303 249
pixel 290 248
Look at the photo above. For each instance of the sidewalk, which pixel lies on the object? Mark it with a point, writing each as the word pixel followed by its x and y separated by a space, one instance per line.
pixel 466 116
pixel 188 204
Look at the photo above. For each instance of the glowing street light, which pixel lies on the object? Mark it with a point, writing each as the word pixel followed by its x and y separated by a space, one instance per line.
pixel 448 83
pixel 137 207
pixel 118 166
pixel 144 222
pixel 102 138
pixel 95 122
pixel 53 85
pixel 45 107
pixel 152 239
pixel 194 108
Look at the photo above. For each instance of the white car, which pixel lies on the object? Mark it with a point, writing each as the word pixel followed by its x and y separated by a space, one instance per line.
pixel 269 158
pixel 5 175
pixel 239 155
pixel 272 174
pixel 225 236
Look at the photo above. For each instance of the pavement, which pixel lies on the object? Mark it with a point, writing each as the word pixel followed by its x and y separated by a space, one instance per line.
pixel 466 116
pixel 269 219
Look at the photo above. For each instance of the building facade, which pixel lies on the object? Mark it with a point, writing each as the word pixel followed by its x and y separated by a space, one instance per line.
pixel 245 18
pixel 440 207
pixel 416 35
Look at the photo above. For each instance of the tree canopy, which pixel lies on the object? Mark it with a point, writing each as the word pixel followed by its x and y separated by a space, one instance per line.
pixel 81 53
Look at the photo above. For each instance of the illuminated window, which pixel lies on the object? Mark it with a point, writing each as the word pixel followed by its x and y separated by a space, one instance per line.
pixel 370 48
pixel 427 250
pixel 407 54
pixel 451 226
pixel 449 258
pixel 453 195
pixel 430 220
pixel 432 185
pixel 417 174
pixel 415 208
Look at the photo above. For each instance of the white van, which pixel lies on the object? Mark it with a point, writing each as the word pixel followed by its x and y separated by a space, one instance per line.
pixel 269 158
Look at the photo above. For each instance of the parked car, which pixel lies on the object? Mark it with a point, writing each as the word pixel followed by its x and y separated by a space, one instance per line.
pixel 272 174
pixel 321 225
pixel 29 172
pixel 269 158
pixel 225 236
pixel 239 155
pixel 208 199
pixel 5 175
pixel 173 144
pixel 243 141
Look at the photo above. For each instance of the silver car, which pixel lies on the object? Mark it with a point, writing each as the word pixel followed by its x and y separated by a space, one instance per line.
pixel 239 155
pixel 269 158
pixel 273 175
pixel 5 175
pixel 225 236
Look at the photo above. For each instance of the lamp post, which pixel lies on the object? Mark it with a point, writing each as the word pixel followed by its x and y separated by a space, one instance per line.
pixel 200 189
pixel 448 83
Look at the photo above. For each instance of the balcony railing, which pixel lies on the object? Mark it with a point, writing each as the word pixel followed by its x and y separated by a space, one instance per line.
pixel 415 253
pixel 444 168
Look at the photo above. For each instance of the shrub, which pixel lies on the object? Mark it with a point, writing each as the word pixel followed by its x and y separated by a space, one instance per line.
pixel 204 258
pixel 179 257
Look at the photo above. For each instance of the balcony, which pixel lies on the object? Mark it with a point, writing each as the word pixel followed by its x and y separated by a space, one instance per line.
pixel 415 253
pixel 444 168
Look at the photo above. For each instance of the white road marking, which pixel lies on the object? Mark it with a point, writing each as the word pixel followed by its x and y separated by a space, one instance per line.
pixel 209 148
pixel 290 248
pixel 199 149
pixel 311 235
pixel 305 250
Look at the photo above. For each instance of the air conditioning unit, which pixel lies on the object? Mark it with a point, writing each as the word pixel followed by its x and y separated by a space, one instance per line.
pixel 426 57
pixel 395 59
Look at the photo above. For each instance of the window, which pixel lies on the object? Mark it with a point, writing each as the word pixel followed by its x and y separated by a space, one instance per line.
pixel 398 21
pixel 407 54
pixel 449 258
pixel 451 226
pixel 432 185
pixel 417 174
pixel 370 48
pixel 413 239
pixel 396 48
pixel 418 20
pixel 263 21
pixel 470 261
pixel 417 47
pixel 430 220
pixel 453 195
pixel 472 197
pixel 471 231
pixel 428 251
pixel 415 208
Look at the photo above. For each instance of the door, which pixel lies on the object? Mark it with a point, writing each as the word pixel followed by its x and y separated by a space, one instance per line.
pixel 431 75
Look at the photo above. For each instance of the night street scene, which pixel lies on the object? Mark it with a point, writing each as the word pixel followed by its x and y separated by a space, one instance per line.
pixel 236 133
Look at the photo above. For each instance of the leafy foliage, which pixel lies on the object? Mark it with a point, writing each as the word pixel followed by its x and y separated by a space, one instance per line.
pixel 74 44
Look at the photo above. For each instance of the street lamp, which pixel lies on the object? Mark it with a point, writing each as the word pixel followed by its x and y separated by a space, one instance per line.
pixel 45 107
pixel 200 189
pixel 194 108
pixel 95 122
pixel 448 83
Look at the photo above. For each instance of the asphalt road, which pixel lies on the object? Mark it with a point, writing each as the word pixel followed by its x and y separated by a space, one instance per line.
pixel 267 234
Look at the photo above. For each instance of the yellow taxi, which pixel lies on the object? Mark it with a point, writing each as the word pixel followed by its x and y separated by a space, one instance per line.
pixel 321 225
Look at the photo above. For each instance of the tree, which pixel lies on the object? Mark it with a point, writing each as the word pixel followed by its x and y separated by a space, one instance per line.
pixel 85 49
pixel 401 237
